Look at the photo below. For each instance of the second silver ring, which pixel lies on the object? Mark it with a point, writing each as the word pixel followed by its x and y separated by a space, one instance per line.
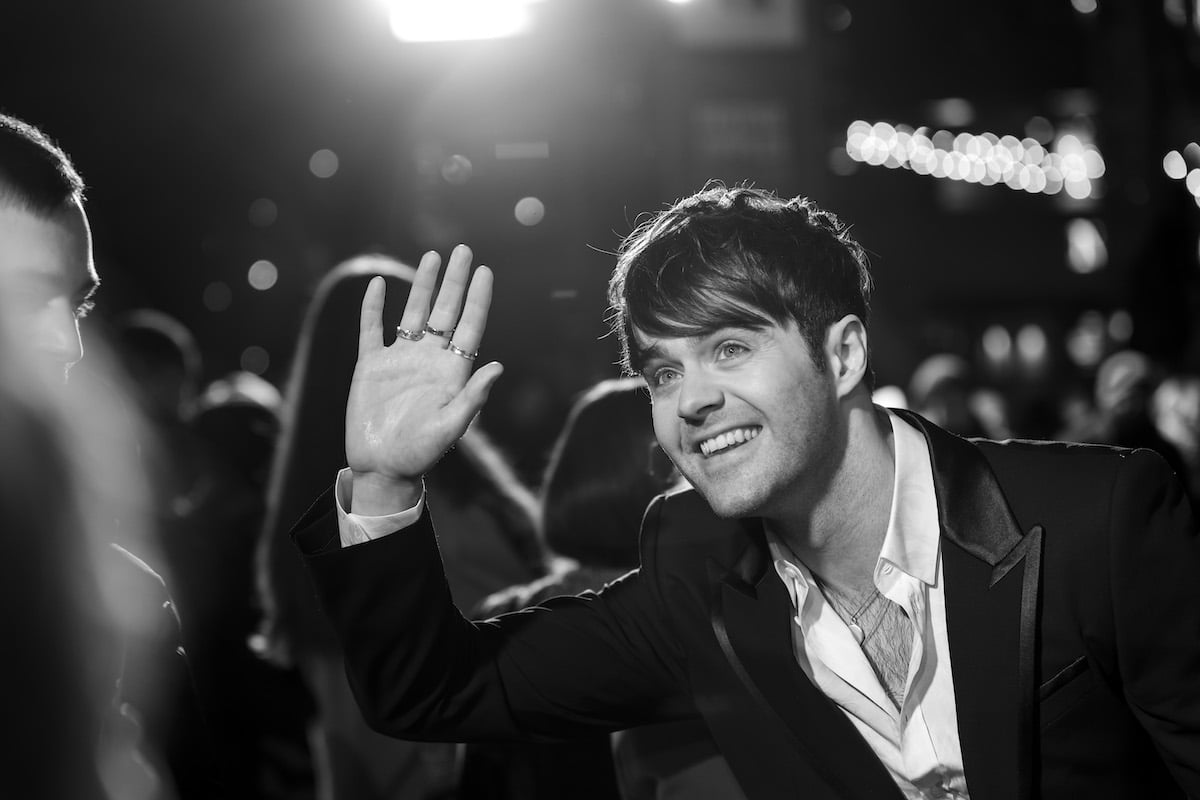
pixel 458 351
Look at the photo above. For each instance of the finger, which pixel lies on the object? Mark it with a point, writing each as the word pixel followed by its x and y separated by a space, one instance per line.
pixel 370 320
pixel 445 309
pixel 470 400
pixel 471 326
pixel 416 309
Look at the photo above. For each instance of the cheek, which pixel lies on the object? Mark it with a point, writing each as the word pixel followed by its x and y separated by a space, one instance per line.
pixel 665 428
pixel 54 329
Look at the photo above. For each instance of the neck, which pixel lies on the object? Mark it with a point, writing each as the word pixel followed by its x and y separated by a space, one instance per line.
pixel 839 535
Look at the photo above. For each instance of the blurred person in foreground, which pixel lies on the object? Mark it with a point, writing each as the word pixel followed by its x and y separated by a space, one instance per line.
pixel 856 603
pixel 54 632
pixel 47 279
pixel 488 540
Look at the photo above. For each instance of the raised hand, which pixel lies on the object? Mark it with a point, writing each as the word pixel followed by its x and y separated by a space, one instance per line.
pixel 411 401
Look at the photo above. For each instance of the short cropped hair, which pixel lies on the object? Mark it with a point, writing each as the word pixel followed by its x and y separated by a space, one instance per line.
pixel 35 173
pixel 736 257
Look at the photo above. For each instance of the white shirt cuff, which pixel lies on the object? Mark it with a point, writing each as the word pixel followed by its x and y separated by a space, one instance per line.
pixel 356 528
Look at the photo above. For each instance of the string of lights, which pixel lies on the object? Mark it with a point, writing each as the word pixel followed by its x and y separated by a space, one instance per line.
pixel 1070 164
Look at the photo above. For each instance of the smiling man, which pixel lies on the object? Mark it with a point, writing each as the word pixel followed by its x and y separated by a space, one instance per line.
pixel 855 603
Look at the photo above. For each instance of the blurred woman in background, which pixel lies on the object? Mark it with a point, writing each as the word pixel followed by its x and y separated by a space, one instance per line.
pixel 486 531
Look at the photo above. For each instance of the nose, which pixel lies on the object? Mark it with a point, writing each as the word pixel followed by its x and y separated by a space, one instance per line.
pixel 699 396
pixel 57 332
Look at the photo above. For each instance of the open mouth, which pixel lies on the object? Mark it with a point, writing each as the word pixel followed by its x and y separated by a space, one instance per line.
pixel 728 440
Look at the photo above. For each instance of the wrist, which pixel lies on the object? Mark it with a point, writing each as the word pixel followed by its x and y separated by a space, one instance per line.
pixel 376 495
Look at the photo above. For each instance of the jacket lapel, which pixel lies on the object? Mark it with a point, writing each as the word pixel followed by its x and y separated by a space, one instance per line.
pixel 991 572
pixel 751 617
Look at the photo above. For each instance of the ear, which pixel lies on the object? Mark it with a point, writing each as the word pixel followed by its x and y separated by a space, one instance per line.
pixel 846 353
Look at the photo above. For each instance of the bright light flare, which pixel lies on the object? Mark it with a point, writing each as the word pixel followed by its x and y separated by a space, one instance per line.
pixel 458 20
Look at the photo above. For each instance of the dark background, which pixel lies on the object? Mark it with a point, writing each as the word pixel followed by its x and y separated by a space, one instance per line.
pixel 181 115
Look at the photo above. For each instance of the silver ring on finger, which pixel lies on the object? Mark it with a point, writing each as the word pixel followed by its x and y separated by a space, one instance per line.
pixel 412 336
pixel 446 333
pixel 458 351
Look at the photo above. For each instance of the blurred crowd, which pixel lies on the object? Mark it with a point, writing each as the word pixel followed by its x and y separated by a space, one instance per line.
pixel 162 640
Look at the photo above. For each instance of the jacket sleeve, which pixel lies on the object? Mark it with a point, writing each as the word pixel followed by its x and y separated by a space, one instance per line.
pixel 1154 580
pixel 420 670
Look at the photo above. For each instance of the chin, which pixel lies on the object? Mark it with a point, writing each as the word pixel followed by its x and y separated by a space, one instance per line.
pixel 731 505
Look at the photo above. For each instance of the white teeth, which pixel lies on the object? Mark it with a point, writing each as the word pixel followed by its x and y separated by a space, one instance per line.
pixel 727 439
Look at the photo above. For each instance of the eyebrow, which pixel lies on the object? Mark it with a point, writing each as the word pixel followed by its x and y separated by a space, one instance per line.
pixel 649 353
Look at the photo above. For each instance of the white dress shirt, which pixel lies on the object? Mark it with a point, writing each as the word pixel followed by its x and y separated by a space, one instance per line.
pixel 918 743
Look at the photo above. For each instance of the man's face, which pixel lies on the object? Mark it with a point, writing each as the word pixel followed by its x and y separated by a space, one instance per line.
pixel 46 278
pixel 746 416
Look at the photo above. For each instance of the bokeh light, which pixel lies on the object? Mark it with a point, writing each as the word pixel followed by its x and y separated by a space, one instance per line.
pixel 529 211
pixel 954 112
pixel 1085 342
pixel 1174 165
pixel 1120 325
pixel 1039 129
pixel 217 296
pixel 1193 181
pixel 263 212
pixel 997 344
pixel 838 18
pixel 262 275
pixel 323 163
pixel 1032 347
pixel 255 359
pixel 1086 249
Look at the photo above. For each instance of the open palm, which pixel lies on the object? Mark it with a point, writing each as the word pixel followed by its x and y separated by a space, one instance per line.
pixel 411 401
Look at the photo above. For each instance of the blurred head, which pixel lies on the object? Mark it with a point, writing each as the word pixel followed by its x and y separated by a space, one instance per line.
pixel 47 275
pixel 162 359
pixel 738 257
pixel 1125 382
pixel 237 418
pixel 1176 409
pixel 941 389
pixel 601 476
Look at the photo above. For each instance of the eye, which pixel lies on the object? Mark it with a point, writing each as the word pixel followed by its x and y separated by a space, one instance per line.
pixel 730 350
pixel 661 377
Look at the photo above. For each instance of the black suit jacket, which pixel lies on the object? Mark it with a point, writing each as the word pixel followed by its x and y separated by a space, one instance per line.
pixel 1072 609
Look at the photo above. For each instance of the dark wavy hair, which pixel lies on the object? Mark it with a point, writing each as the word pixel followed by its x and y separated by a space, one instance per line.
pixel 601 476
pixel 736 257
pixel 35 173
